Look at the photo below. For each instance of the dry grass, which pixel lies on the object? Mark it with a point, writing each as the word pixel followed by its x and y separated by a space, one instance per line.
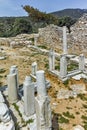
pixel 23 58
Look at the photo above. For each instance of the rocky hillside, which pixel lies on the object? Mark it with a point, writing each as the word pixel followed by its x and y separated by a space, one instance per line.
pixel 77 39
pixel 50 36
pixel 73 13
pixel 78 34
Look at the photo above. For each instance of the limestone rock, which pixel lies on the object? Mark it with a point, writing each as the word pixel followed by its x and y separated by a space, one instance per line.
pixel 78 127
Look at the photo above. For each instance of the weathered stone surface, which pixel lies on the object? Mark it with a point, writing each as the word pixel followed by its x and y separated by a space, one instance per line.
pixel 14 69
pixel 64 40
pixel 81 62
pixel 78 35
pixel 34 68
pixel 4 113
pixel 36 39
pixel 78 127
pixel 1 98
pixel 43 114
pixel 63 66
pixel 29 100
pixel 75 90
pixel 51 60
pixel 7 126
pixel 51 35
pixel 41 86
pixel 12 88
pixel 42 104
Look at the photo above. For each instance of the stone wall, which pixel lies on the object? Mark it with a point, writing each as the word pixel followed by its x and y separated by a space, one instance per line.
pixel 19 40
pixel 78 35
pixel 50 36
pixel 77 39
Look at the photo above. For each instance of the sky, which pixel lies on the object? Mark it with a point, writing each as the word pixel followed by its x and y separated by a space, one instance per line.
pixel 14 7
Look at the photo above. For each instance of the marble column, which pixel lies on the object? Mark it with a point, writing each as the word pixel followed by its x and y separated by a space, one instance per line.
pixel 34 68
pixel 35 39
pixel 41 84
pixel 29 99
pixel 81 62
pixel 51 60
pixel 14 69
pixel 42 104
pixel 63 66
pixel 64 40
pixel 12 88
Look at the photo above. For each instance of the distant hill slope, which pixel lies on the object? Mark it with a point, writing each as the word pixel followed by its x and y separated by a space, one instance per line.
pixel 73 13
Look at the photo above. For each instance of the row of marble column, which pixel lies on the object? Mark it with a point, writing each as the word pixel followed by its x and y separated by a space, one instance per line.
pixel 52 53
pixel 63 58
pixel 63 63
pixel 39 105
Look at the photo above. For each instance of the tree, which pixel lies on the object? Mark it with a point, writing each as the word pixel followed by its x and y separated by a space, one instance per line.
pixel 66 21
pixel 22 26
pixel 38 16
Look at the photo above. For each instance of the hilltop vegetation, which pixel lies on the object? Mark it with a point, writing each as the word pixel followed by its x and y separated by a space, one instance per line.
pixel 12 26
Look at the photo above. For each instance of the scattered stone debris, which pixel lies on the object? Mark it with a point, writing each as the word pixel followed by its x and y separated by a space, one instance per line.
pixel 33 110
pixel 75 90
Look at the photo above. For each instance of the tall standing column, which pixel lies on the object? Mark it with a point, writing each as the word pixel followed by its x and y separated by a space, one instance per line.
pixel 14 69
pixel 35 39
pixel 34 68
pixel 41 88
pixel 12 88
pixel 29 100
pixel 81 62
pixel 64 40
pixel 51 60
pixel 63 66
pixel 42 103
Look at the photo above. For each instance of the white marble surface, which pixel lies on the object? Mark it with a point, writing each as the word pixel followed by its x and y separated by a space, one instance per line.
pixel 7 126
pixel 79 76
pixel 1 98
pixel 78 127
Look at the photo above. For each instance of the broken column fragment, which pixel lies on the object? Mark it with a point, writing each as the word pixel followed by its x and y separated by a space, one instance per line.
pixel 63 66
pixel 34 68
pixel 81 62
pixel 29 99
pixel 42 103
pixel 51 60
pixel 12 88
pixel 14 69
pixel 35 39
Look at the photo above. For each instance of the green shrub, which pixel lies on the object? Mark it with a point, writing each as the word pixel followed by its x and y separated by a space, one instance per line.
pixel 17 109
pixel 68 107
pixel 82 97
pixel 2 71
pixel 84 117
pixel 66 82
pixel 77 113
pixel 85 126
pixel 85 106
pixel 62 119
pixel 67 114
pixel 1 76
pixel 32 39
pixel 42 46
pixel 29 121
pixel 57 67
pixel 72 66
pixel 47 66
